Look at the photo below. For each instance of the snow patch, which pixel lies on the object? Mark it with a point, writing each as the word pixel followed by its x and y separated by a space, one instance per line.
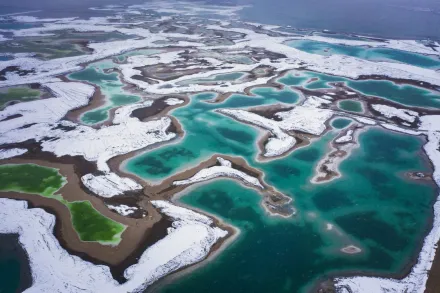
pixel 224 170
pixel 55 270
pixel 174 101
pixel 109 184
pixel 123 209
pixel 10 153
pixel 391 112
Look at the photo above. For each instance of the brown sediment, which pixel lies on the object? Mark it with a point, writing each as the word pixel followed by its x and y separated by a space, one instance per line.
pixel 269 111
pixel 433 282
pixel 166 73
pixel 274 202
pixel 327 168
pixel 159 107
pixel 97 100
pixel 419 176
pixel 11 117
pixel 137 234
pixel 416 83
pixel 221 97
pixel 302 139
pixel 216 249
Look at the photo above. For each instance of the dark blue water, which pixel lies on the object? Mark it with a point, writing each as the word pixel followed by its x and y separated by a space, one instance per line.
pixel 417 19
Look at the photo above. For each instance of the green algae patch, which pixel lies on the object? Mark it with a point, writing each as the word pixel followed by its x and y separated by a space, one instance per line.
pixel 92 225
pixel 18 94
pixel 30 178
pixel 351 106
pixel 86 220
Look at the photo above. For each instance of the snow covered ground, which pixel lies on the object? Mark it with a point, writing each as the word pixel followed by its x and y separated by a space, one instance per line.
pixel 336 64
pixel 403 45
pixel 174 101
pixel 224 170
pixel 123 209
pixel 308 118
pixel 390 112
pixel 347 137
pixel 55 270
pixel 10 153
pixel 42 116
pixel 109 184
pixel 278 144
pixel 67 96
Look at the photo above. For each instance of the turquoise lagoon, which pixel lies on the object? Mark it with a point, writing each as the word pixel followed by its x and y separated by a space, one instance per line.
pixel 373 206
pixel 373 54
pixel 408 95
pixel 110 84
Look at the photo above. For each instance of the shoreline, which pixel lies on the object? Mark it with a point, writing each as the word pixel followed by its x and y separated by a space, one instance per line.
pixel 137 235
pixel 223 244
pixel 117 163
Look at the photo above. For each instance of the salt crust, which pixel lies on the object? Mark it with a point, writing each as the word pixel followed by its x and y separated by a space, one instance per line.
pixel 403 45
pixel 336 64
pixel 10 153
pixel 55 270
pixel 348 137
pixel 109 184
pixel 390 112
pixel 67 96
pixel 308 118
pixel 123 209
pixel 224 170
pixel 42 116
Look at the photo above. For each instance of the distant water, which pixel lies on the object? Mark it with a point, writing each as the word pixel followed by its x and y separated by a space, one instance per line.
pixel 374 54
pixel 418 19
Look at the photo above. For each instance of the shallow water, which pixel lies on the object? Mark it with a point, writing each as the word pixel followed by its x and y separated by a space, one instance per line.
pixel 277 255
pixel 404 94
pixel 351 106
pixel 373 54
pixel 111 87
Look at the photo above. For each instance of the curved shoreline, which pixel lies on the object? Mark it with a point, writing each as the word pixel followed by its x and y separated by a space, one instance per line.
pixel 99 98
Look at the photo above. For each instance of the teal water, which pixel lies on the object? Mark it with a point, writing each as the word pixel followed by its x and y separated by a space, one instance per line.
pixel 351 106
pixel 110 84
pixel 341 123
pixel 372 207
pixel 405 94
pixel 279 255
pixel 206 133
pixel 373 54
pixel 15 271
pixel 111 88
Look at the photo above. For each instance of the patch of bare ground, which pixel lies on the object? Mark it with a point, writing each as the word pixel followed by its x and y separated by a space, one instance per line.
pixel 139 234
pixel 327 168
